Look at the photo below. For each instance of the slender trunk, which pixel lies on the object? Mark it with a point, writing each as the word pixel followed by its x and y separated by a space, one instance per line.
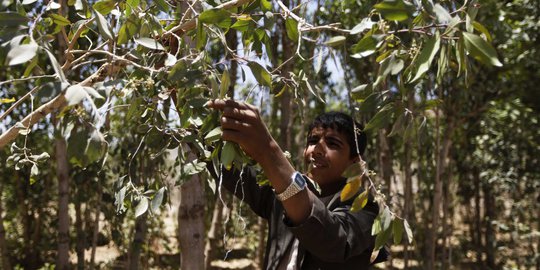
pixel 447 216
pixel 6 263
pixel 95 228
pixel 80 235
pixel 213 233
pixel 191 221
pixel 442 155
pixel 408 200
pixel 138 241
pixel 490 215
pixel 62 172
pixel 286 98
pixel 477 218
pixel 232 42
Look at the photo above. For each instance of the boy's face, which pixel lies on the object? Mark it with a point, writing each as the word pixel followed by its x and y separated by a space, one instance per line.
pixel 329 152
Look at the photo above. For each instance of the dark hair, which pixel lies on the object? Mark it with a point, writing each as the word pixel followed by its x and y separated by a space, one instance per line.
pixel 344 124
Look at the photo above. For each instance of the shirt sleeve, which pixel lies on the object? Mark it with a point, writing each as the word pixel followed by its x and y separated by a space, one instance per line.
pixel 336 235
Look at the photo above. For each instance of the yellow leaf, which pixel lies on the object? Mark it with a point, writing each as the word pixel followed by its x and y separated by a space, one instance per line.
pixel 7 100
pixel 351 188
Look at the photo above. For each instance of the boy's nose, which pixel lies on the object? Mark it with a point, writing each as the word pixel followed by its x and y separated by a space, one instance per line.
pixel 319 148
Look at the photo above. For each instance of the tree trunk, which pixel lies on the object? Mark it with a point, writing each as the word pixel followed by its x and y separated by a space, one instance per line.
pixel 138 241
pixel 95 228
pixel 285 125
pixel 232 42
pixel 490 215
pixel 81 236
pixel 191 221
pixel 442 155
pixel 408 200
pixel 6 264
pixel 213 233
pixel 62 172
pixel 477 218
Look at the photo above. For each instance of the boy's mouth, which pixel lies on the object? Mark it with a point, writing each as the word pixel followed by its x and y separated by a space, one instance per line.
pixel 316 163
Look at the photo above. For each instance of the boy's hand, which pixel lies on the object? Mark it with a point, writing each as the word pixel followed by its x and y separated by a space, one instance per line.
pixel 242 124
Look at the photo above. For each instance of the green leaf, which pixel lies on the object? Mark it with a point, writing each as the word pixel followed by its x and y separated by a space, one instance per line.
pixel 75 94
pixel 162 5
pixel 365 47
pixel 480 49
pixel 201 37
pixel 365 24
pixel 214 135
pixel 394 10
pixel 291 26
pixel 59 19
pixel 149 43
pixel 193 167
pixel 228 154
pixel 104 27
pixel 386 218
pixel 157 200
pixel 22 54
pixel 141 207
pixel 104 7
pixel 28 2
pixel 56 66
pixel 128 29
pixel 262 75
pixel 376 227
pixel 382 238
pixel 266 5
pixel 429 51
pixel 11 19
pixel 480 28
pixel 397 230
pixel 225 83
pixel 243 25
pixel 220 17
pixel 130 5
pixel 336 41
pixel 443 16
pixel 381 118
pixel 408 231
pixel 96 147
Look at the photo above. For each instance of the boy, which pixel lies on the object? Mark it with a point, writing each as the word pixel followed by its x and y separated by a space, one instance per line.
pixel 307 229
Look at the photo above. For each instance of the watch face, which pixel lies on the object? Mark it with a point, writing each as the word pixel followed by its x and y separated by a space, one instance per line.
pixel 300 181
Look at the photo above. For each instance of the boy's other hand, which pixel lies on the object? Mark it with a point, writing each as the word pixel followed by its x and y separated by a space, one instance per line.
pixel 241 123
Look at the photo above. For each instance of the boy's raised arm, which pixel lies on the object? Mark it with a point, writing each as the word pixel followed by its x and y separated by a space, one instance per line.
pixel 242 124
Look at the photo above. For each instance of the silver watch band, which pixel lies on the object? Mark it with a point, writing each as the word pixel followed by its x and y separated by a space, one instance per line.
pixel 298 184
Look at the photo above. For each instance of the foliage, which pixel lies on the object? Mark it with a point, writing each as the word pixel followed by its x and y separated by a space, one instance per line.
pixel 129 80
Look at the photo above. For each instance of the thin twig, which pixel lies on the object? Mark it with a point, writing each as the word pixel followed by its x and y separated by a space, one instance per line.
pixel 18 102
pixel 26 79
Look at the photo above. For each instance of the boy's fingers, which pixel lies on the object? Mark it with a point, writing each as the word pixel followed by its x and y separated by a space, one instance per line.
pixel 231 123
pixel 221 104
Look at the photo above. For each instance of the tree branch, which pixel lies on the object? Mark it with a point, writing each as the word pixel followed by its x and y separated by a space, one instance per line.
pixel 57 103
pixel 191 24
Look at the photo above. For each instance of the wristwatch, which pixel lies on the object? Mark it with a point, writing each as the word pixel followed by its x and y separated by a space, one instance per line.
pixel 298 184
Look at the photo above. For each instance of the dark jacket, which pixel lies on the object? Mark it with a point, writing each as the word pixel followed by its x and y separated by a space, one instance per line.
pixel 332 237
